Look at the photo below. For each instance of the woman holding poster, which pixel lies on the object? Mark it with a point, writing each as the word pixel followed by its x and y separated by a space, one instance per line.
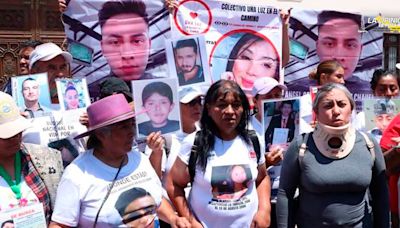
pixel 252 57
pixel 92 191
pixel 230 186
pixel 339 171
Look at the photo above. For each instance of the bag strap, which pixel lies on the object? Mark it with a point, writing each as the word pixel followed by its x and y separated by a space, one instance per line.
pixel 256 143
pixel 193 157
pixel 370 145
pixel 303 148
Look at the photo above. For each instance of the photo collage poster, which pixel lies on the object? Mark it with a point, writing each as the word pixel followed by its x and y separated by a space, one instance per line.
pixel 239 38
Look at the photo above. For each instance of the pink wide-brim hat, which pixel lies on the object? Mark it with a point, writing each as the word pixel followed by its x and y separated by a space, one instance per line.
pixel 107 111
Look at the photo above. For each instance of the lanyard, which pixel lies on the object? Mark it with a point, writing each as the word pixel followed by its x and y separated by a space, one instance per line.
pixel 15 186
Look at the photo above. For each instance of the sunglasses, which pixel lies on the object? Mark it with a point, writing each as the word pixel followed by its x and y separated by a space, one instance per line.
pixel 135 215
pixel 196 101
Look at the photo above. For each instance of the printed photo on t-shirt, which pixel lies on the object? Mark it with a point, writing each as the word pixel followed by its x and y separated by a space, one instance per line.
pixel 230 182
pixel 137 208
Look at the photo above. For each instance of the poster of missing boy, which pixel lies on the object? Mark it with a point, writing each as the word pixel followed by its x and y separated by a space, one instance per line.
pixel 72 94
pixel 187 60
pixel 244 41
pixel 156 105
pixel 280 122
pixel 124 39
pixel 379 113
pixel 31 93
pixel 318 36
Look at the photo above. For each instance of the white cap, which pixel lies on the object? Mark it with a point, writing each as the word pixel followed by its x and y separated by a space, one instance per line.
pixel 187 94
pixel 264 85
pixel 46 52
pixel 398 66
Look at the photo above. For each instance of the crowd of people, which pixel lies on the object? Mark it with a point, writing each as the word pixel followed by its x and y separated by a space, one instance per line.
pixel 220 168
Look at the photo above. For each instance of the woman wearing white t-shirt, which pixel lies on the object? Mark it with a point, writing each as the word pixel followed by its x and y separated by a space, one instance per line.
pixel 230 186
pixel 91 188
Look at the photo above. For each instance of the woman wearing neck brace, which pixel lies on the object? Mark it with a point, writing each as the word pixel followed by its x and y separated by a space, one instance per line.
pixel 335 172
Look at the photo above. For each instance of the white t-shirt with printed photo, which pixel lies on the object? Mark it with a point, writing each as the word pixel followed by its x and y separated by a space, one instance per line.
pixel 8 199
pixel 85 183
pixel 225 194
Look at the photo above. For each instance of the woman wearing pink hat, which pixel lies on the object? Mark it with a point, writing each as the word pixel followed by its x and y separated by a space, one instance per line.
pixel 94 182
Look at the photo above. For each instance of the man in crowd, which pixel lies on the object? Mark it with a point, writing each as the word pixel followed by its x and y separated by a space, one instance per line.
pixel 24 52
pixel 125 40
pixel 49 58
pixel 186 54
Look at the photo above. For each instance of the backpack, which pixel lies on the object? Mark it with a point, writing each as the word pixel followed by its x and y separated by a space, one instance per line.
pixel 194 153
pixel 303 146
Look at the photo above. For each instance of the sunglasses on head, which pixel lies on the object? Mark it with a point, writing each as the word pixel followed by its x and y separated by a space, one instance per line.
pixel 196 101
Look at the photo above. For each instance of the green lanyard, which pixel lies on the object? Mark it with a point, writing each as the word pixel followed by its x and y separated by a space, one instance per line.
pixel 15 186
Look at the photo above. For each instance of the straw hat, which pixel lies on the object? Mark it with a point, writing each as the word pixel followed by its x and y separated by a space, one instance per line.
pixel 11 121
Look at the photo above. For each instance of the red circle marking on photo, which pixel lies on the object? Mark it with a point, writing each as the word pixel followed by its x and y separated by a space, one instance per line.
pixel 193 15
pixel 241 31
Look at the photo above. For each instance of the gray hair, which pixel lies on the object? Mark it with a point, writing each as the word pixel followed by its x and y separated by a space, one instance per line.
pixel 322 91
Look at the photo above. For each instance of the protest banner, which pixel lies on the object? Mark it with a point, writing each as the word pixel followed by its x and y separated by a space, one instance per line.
pixel 243 41
pixel 128 45
pixel 156 105
pixel 320 35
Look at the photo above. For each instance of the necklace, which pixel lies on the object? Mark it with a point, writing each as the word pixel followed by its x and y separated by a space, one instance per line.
pixel 15 186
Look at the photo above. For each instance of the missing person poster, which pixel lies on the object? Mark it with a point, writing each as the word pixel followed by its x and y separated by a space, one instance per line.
pixel 30 216
pixel 318 36
pixel 243 41
pixel 157 106
pixel 379 113
pixel 73 94
pixel 31 94
pixel 122 39
pixel 281 122
pixel 187 60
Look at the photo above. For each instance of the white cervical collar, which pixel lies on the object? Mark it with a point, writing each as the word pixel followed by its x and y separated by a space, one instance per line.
pixel 324 135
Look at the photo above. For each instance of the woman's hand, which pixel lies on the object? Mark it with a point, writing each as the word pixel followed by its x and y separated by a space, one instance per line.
pixel 62 5
pixel 84 119
pixel 261 219
pixel 171 5
pixel 155 142
pixel 274 156
pixel 285 16
pixel 180 222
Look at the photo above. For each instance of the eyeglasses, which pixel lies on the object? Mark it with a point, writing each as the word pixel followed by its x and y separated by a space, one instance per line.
pixel 140 213
pixel 196 101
